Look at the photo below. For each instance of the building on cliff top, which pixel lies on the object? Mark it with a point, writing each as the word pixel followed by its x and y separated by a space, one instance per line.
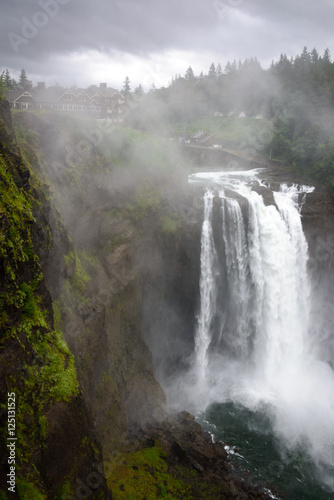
pixel 100 102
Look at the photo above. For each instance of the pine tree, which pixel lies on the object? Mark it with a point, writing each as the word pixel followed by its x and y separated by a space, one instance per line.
pixel 212 71
pixel 2 82
pixel 126 89
pixel 327 56
pixel 314 56
pixel 8 80
pixel 234 67
pixel 23 79
pixel 189 75
pixel 228 67
pixel 14 84
pixel 139 91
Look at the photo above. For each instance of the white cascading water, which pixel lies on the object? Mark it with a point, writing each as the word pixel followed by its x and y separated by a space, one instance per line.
pixel 259 355
pixel 207 290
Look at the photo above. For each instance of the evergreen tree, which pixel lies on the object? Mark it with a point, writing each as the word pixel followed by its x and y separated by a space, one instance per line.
pixel 139 91
pixel 189 74
pixel 314 56
pixel 14 84
pixel 228 67
pixel 305 57
pixel 212 71
pixel 234 67
pixel 126 89
pixel 2 83
pixel 327 56
pixel 23 79
pixel 8 80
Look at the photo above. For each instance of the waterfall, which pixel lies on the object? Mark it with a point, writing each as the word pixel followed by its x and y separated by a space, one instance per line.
pixel 237 268
pixel 258 354
pixel 265 281
pixel 207 288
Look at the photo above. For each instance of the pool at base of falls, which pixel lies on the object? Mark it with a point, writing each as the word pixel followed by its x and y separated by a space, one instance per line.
pixel 254 448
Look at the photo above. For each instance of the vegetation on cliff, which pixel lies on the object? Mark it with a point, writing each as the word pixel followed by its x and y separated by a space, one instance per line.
pixel 36 364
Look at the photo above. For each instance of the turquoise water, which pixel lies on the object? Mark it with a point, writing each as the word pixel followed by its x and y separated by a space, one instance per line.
pixel 253 447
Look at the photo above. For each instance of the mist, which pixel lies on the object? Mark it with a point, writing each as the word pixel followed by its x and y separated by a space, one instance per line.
pixel 184 219
pixel 178 295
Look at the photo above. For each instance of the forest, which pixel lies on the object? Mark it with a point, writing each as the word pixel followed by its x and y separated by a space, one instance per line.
pixel 294 97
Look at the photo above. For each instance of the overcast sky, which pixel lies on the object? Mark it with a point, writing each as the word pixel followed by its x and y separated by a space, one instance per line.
pixel 83 42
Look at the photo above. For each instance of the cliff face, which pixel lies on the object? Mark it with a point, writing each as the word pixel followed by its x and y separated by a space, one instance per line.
pixel 55 448
pixel 318 224
pixel 95 280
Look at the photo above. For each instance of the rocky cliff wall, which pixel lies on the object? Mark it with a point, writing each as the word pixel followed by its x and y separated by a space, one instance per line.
pixel 56 453
pixel 318 223
pixel 95 280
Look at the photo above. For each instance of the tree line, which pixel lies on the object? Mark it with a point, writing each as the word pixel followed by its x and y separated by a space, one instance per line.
pixel 295 95
pixel 9 83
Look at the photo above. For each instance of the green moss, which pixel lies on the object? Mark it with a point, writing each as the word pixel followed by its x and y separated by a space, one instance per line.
pixel 38 367
pixel 144 474
pixel 59 370
pixel 170 223
pixel 58 311
pixel 65 491
pixel 79 278
pixel 148 200
pixel 28 491
pixel 44 371
pixel 115 242
pixel 114 213
pixel 90 258
pixel 140 474
pixel 50 377
pixel 62 370
pixel 16 215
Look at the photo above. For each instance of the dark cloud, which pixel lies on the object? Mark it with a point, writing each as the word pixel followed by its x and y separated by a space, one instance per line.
pixel 41 34
pixel 122 25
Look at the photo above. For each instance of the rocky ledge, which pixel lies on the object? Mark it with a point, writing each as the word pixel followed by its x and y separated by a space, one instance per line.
pixel 188 454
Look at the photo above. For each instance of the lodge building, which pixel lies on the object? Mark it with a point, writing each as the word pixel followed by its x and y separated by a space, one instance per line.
pixel 100 102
